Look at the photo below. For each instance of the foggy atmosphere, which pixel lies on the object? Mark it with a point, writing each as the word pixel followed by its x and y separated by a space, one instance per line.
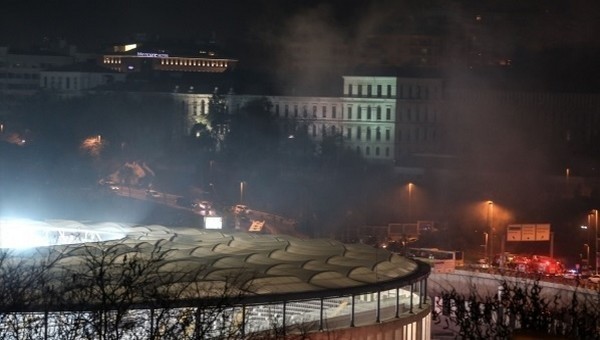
pixel 468 127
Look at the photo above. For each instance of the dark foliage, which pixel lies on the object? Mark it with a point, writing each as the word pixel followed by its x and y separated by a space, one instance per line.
pixel 517 308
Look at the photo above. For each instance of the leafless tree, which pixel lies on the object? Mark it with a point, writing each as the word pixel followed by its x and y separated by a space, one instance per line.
pixel 115 290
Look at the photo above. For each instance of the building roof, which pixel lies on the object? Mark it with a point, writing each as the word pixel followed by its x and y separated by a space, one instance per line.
pixel 265 265
pixel 85 67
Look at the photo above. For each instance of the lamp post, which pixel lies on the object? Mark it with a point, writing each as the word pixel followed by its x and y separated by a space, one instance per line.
pixel 587 231
pixel 410 187
pixel 242 183
pixel 587 254
pixel 485 245
pixel 490 218
pixel 595 212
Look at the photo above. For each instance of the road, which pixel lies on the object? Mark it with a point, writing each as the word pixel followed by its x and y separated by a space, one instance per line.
pixel 274 224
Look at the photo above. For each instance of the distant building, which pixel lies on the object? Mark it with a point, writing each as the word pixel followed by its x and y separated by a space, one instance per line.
pixel 381 118
pixel 20 70
pixel 133 58
pixel 75 78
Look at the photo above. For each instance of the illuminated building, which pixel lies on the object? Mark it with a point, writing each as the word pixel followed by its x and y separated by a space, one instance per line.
pixel 141 58
pixel 319 287
pixel 381 118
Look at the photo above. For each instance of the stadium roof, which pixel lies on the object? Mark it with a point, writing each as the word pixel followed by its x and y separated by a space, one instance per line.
pixel 267 264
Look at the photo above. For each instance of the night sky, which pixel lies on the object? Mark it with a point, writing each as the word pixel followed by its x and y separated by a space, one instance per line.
pixel 542 22
pixel 81 21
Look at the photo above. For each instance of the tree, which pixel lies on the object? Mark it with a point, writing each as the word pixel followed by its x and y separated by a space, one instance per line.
pixel 114 291
pixel 253 133
pixel 517 308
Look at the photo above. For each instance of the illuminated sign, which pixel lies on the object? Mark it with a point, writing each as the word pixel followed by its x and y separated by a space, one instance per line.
pixel 152 55
pixel 528 232
pixel 213 222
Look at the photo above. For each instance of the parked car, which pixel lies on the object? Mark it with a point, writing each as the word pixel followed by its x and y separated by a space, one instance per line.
pixel 204 205
pixel 153 193
pixel 594 278
pixel 570 274
pixel 240 209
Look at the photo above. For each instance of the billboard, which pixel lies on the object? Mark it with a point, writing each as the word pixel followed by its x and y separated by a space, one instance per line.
pixel 256 226
pixel 213 222
pixel 528 232
pixel 513 233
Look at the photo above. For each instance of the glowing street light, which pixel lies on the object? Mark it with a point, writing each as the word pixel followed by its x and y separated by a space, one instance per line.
pixel 595 212
pixel 587 254
pixel 490 221
pixel 410 188
pixel 485 245
pixel 242 184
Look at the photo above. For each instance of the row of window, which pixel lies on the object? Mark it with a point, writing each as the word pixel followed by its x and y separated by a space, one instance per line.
pixel 11 75
pixel 409 91
pixel 193 62
pixel 417 114
pixel 57 83
pixel 112 60
pixel 377 152
pixel 369 91
pixel 175 61
pixel 405 91
pixel 359 132
pixel 369 134
pixel 368 112
pixel 418 134
pixel 202 108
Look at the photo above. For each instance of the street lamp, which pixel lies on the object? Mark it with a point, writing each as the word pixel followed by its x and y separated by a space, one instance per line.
pixel 485 245
pixel 595 212
pixel 242 183
pixel 410 187
pixel 490 218
pixel 587 255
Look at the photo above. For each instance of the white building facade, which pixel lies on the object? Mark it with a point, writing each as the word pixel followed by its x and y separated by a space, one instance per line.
pixel 380 118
